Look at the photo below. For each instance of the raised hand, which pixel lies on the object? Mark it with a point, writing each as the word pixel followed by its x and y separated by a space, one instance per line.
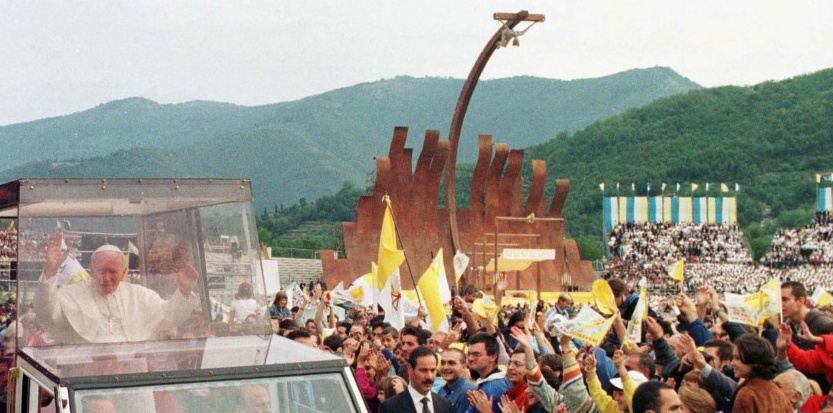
pixel 54 256
pixel 508 406
pixel 590 362
pixel 364 353
pixel 702 297
pixel 399 384
pixel 654 328
pixel 460 305
pixel 808 335
pixel 618 359
pixel 479 401
pixel 785 337
pixel 452 337
pixel 521 337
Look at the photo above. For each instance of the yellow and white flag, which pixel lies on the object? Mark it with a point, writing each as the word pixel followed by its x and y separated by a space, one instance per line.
pixel 430 286
pixel 634 329
pixel 754 309
pixel 677 271
pixel 387 275
pixel 390 257
pixel 460 263
pixel 588 326
pixel 822 297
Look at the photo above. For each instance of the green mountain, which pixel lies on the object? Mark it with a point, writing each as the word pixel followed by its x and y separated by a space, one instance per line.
pixel 769 138
pixel 309 147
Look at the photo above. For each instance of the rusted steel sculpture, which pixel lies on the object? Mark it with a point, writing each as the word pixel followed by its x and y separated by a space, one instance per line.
pixel 496 190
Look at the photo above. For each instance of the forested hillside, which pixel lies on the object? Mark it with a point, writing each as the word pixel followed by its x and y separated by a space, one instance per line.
pixel 769 138
pixel 309 147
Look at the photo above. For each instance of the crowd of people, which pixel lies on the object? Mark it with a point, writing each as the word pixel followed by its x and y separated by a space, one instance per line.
pixel 8 243
pixel 808 246
pixel 520 359
pixel 641 243
pixel 717 257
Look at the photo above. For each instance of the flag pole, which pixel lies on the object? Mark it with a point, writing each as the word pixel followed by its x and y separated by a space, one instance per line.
pixel 404 250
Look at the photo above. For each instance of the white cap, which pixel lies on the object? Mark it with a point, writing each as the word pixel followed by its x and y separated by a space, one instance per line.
pixel 108 248
pixel 637 377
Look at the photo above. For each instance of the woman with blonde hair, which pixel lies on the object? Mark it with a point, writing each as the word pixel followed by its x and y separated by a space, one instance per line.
pixel 697 400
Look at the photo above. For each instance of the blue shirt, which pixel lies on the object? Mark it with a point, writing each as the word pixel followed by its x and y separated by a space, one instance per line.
pixel 494 386
pixel 456 393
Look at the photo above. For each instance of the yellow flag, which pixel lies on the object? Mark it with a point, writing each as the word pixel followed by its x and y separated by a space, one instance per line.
pixel 822 297
pixel 390 258
pixel 724 187
pixel 429 289
pixel 589 326
pixel 677 270
pixel 771 304
pixel 603 296
pixel 694 187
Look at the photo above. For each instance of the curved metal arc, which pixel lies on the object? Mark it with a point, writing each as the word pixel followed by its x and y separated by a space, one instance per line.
pixel 457 125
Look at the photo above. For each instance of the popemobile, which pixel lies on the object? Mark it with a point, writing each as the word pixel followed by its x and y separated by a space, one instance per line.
pixel 124 291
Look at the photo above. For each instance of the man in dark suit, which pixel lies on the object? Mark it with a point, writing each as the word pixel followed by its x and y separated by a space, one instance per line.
pixel 418 398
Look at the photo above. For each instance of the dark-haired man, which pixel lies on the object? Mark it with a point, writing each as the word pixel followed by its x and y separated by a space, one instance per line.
pixel 418 398
pixel 453 367
pixel 411 337
pixel 794 308
pixel 483 354
pixel 656 397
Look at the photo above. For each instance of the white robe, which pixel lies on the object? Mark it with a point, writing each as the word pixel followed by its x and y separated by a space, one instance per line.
pixel 78 313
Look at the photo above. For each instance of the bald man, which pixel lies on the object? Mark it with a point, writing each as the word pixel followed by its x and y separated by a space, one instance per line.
pixel 104 309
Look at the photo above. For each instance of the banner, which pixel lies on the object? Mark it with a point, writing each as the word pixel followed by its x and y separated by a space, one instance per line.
pixel 588 326
pixel 655 209
pixel 711 213
pixel 754 309
pixel 825 199
pixel 610 209
pixel 659 209
pixel 640 209
pixel 699 208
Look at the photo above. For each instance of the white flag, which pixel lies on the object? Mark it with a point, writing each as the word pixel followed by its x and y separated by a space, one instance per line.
pixel 391 300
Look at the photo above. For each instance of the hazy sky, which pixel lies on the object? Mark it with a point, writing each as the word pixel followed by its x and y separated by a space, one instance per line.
pixel 59 57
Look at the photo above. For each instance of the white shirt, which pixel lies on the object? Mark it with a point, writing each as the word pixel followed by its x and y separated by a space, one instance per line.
pixel 417 398
pixel 243 308
pixel 78 313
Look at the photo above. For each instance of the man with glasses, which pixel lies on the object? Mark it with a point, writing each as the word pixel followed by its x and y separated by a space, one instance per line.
pixel 483 354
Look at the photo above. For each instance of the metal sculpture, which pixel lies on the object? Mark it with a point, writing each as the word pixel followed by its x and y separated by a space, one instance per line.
pixel 496 191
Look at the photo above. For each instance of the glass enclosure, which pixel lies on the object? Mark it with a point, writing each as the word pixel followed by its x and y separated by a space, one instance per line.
pixel 146 295
pixel 300 394
pixel 219 374
pixel 128 260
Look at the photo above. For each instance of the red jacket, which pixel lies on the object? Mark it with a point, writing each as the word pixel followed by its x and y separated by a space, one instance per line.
pixel 816 361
